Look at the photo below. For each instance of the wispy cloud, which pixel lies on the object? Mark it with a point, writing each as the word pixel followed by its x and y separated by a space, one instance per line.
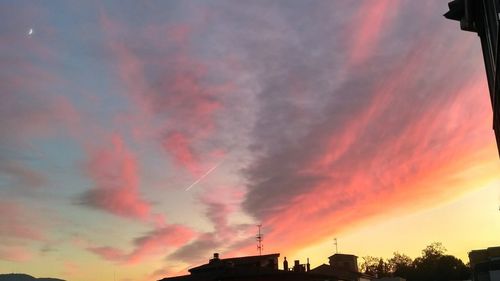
pixel 331 138
pixel 114 172
pixel 176 92
pixel 15 254
pixel 220 204
pixel 152 244
pixel 17 222
pixel 327 115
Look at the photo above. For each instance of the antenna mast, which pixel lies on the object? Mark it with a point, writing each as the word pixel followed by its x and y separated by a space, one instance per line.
pixel 336 245
pixel 259 238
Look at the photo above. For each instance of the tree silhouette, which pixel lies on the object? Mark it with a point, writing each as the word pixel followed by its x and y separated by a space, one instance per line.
pixel 375 267
pixel 400 265
pixel 434 250
pixel 433 265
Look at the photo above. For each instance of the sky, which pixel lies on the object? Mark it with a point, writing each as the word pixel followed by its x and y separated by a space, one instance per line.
pixel 137 138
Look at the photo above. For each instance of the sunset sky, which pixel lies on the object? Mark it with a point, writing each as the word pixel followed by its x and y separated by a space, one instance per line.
pixel 139 137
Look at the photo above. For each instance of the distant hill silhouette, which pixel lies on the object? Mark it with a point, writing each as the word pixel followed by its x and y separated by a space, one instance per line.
pixel 24 277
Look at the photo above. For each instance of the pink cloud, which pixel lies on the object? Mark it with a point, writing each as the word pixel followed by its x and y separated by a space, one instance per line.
pixel 399 141
pixel 179 34
pixel 15 254
pixel 367 27
pixel 173 92
pixel 412 170
pixel 108 253
pixel 17 222
pixel 19 226
pixel 158 241
pixel 114 171
pixel 180 148
pixel 154 243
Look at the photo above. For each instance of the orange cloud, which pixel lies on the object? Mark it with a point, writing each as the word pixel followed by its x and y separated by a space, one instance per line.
pixel 423 164
pixel 15 254
pixel 389 141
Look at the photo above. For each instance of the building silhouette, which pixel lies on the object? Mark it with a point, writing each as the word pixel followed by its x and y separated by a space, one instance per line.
pixel 485 264
pixel 481 16
pixel 248 268
pixel 348 262
pixel 342 267
pixel 265 268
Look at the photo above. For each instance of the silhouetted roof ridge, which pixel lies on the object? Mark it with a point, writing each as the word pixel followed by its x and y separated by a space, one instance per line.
pixel 251 257
pixel 321 266
pixel 339 254
pixel 216 263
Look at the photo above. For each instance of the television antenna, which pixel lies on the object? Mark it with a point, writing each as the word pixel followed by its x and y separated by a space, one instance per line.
pixel 335 242
pixel 259 238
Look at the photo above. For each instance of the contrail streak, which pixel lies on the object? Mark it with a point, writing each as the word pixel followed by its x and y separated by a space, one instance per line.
pixel 202 177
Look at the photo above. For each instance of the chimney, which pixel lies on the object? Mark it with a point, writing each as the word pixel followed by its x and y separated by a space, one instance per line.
pixel 285 265
pixel 296 266
pixel 215 258
pixel 308 266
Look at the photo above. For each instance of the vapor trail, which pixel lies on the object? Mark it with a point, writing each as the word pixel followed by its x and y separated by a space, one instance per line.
pixel 203 176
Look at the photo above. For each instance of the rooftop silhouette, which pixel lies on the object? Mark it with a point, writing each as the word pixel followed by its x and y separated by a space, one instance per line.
pixel 265 267
pixel 434 264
